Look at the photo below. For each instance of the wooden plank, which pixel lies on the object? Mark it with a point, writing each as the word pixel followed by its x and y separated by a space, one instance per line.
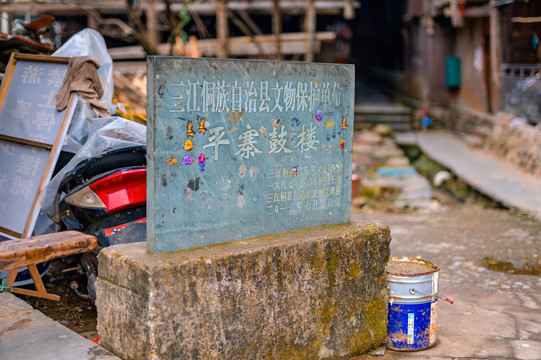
pixel 26 142
pixel 291 43
pixel 22 252
pixel 204 8
pixel 44 58
pixel 36 294
pixel 40 288
pixel 10 232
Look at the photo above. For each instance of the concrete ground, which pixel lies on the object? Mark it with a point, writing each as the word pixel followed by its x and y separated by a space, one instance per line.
pixel 27 334
pixel 496 315
pixel 489 258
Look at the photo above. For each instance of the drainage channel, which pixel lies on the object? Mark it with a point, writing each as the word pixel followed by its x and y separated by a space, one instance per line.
pixel 447 188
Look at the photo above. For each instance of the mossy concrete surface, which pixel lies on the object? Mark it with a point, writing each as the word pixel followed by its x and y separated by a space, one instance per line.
pixel 312 294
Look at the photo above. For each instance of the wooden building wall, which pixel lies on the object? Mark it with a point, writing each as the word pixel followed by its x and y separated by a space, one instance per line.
pixel 471 45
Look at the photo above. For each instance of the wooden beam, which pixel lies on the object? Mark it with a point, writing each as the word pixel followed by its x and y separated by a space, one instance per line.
pixel 476 11
pixel 349 9
pixel 526 20
pixel 291 43
pixel 251 23
pixel 244 28
pixel 205 8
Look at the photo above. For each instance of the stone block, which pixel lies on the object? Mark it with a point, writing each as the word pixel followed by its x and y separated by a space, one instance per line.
pixel 311 294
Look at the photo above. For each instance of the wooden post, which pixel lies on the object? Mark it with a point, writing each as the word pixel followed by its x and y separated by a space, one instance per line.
pixel 248 20
pixel 5 22
pixel 277 28
pixel 91 22
pixel 495 58
pixel 223 29
pixel 310 28
pixel 151 22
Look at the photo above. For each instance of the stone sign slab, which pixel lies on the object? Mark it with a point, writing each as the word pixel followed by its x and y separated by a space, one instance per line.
pixel 239 149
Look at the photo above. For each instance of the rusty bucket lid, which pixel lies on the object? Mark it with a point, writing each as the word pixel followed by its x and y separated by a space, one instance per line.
pixel 408 266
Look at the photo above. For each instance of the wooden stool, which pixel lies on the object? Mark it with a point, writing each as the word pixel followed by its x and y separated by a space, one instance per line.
pixel 29 252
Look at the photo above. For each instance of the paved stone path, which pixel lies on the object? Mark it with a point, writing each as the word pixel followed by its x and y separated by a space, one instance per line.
pixel 487 174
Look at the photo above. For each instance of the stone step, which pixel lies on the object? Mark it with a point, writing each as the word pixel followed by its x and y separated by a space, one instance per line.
pixel 382 118
pixel 396 116
pixel 382 109
pixel 397 126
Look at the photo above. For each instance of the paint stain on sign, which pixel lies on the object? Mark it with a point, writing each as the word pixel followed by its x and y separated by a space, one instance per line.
pixel 240 201
pixel 193 184
pixel 242 171
pixel 235 116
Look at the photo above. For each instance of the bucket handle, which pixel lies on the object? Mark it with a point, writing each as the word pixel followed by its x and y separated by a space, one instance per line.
pixel 413 291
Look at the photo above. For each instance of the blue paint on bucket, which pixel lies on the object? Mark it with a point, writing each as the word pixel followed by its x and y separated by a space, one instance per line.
pixel 411 326
pixel 413 304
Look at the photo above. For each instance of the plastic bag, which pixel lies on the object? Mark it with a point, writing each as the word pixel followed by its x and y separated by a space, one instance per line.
pixel 87 42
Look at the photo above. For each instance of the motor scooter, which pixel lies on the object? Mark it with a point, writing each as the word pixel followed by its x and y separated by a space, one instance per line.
pixel 105 196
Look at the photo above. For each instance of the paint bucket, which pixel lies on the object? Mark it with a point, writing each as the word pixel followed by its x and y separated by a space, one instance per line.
pixel 413 304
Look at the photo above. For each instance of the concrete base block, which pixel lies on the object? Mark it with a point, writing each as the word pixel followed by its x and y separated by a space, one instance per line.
pixel 312 294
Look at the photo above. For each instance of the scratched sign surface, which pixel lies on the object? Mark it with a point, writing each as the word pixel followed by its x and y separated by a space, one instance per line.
pixel 240 149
